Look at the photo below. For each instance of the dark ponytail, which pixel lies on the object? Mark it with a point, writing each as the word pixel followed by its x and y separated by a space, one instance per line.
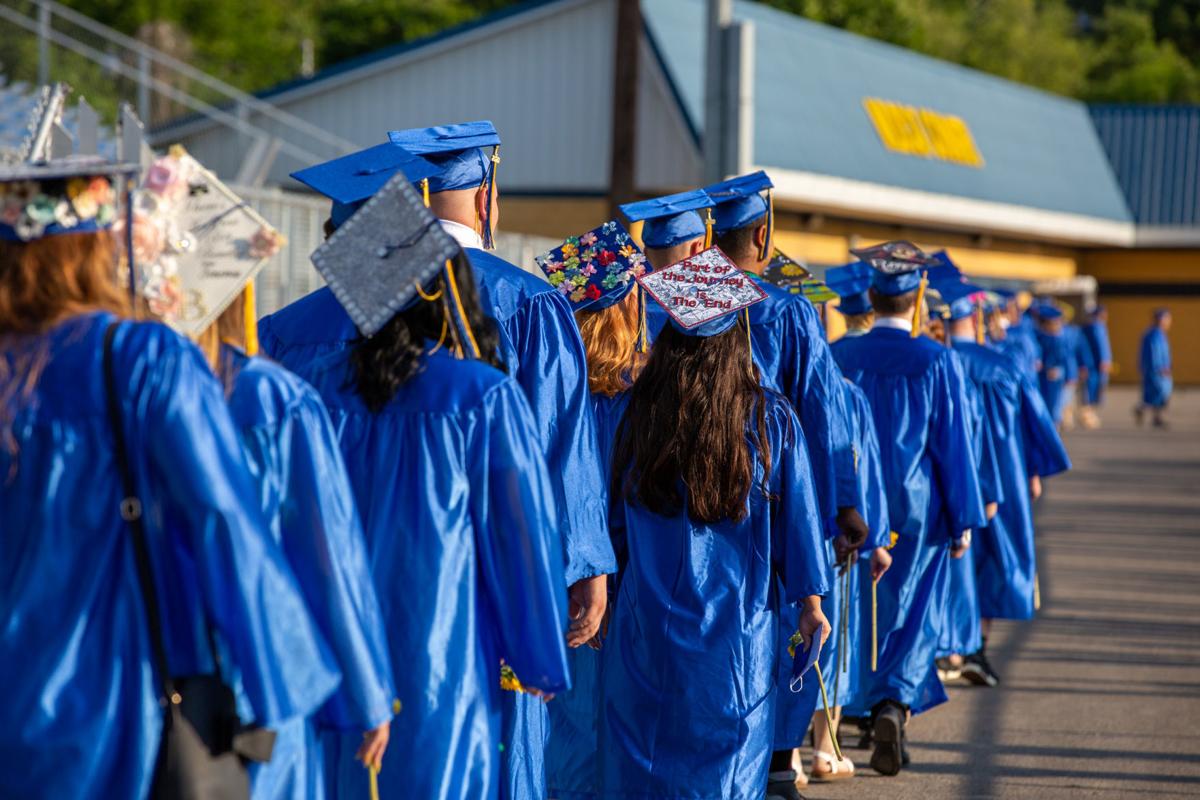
pixel 386 361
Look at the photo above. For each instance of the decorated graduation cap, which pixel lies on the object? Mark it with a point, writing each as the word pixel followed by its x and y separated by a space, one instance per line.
pixel 899 267
pixel 350 180
pixel 595 270
pixel 702 294
pixel 737 202
pixel 851 283
pixel 465 156
pixel 380 262
pixel 197 245
pixel 786 272
pixel 673 219
pixel 62 196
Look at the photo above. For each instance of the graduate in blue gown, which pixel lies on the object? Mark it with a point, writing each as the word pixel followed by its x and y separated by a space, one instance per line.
pixel 1154 360
pixel 1020 342
pixel 714 519
pixel 292 451
pixel 454 497
pixel 1095 334
pixel 81 716
pixel 1057 359
pixel 918 400
pixel 609 310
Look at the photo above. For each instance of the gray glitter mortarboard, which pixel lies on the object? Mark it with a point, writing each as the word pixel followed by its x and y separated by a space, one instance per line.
pixel 375 262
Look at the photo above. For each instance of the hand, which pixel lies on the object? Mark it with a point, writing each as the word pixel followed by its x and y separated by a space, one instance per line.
pixel 881 561
pixel 813 620
pixel 545 697
pixel 991 510
pixel 959 548
pixel 588 600
pixel 852 526
pixel 597 641
pixel 1106 368
pixel 375 742
pixel 1035 486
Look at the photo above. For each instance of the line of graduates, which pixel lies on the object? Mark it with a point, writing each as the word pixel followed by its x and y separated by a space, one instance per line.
pixel 462 531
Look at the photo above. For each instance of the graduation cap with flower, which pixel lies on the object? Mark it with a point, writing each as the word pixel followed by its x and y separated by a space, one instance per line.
pixel 73 195
pixel 595 270
pixel 702 294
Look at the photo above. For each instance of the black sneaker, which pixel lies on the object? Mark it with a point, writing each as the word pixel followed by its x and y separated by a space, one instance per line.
pixel 888 732
pixel 782 786
pixel 978 670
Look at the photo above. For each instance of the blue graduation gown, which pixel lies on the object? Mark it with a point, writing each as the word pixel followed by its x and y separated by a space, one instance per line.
pixel 1096 336
pixel 1026 443
pixel 689 666
pixel 459 516
pixel 1155 362
pixel 291 449
pixel 1058 364
pixel 571 761
pixel 962 633
pixel 80 716
pixel 919 403
pixel 1020 343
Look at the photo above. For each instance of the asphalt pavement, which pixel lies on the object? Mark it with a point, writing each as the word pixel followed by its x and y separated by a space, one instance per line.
pixel 1101 692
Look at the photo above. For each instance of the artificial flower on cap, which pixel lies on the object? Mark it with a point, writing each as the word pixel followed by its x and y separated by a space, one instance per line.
pixel 351 180
pixel 737 202
pixel 63 196
pixel 673 219
pixel 703 293
pixel 851 283
pixel 460 156
pixel 197 245
pixel 595 270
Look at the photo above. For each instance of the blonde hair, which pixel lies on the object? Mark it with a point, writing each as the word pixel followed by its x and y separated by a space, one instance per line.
pixel 610 338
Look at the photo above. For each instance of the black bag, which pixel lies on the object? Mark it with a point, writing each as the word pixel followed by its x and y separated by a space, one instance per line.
pixel 204 747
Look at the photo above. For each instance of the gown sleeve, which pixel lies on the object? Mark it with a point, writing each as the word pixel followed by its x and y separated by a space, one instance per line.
pixel 952 450
pixel 250 593
pixel 798 550
pixel 1045 453
pixel 990 485
pixel 552 372
pixel 520 557
pixel 324 543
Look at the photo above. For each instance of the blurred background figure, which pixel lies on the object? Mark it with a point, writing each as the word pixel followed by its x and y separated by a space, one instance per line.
pixel 1057 361
pixel 1155 364
pixel 1099 349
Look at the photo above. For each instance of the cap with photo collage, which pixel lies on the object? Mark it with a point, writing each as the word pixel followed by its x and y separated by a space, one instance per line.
pixel 852 284
pixel 737 202
pixel 379 263
pixel 673 219
pixel 350 180
pixel 702 294
pixel 460 154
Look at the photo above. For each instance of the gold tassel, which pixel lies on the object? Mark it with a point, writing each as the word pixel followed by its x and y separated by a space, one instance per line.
pixel 1037 593
pixel 828 714
pixel 874 623
pixel 250 319
pixel 916 320
pixel 766 245
pixel 749 338
pixel 429 298
pixel 708 228
pixel 425 191
pixel 980 334
pixel 374 772
pixel 462 314
pixel 643 341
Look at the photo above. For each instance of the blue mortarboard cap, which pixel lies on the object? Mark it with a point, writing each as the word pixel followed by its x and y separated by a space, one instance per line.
pixel 50 198
pixel 595 270
pixel 1048 311
pixel 458 152
pixel 897 266
pixel 375 263
pixel 702 294
pixel 959 297
pixel 738 201
pixel 670 220
pixel 851 283
pixel 351 180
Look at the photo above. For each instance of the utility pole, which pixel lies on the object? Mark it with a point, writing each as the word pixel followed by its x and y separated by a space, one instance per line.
pixel 720 16
pixel 623 153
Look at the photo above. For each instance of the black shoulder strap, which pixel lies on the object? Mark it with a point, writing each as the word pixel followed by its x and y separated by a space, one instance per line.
pixel 131 512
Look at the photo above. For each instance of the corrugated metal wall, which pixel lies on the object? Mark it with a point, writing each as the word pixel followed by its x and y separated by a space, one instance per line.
pixel 1155 151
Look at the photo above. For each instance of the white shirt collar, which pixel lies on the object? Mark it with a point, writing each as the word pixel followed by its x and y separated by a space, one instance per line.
pixel 852 332
pixel 970 339
pixel 466 237
pixel 895 323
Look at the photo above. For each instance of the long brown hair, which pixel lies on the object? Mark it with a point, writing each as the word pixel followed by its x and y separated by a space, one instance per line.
pixel 695 419
pixel 43 283
pixel 610 339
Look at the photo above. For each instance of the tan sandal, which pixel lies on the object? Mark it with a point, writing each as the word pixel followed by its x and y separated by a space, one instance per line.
pixel 836 771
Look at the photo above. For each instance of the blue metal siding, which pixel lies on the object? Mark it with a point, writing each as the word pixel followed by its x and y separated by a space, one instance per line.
pixel 1040 150
pixel 1155 151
